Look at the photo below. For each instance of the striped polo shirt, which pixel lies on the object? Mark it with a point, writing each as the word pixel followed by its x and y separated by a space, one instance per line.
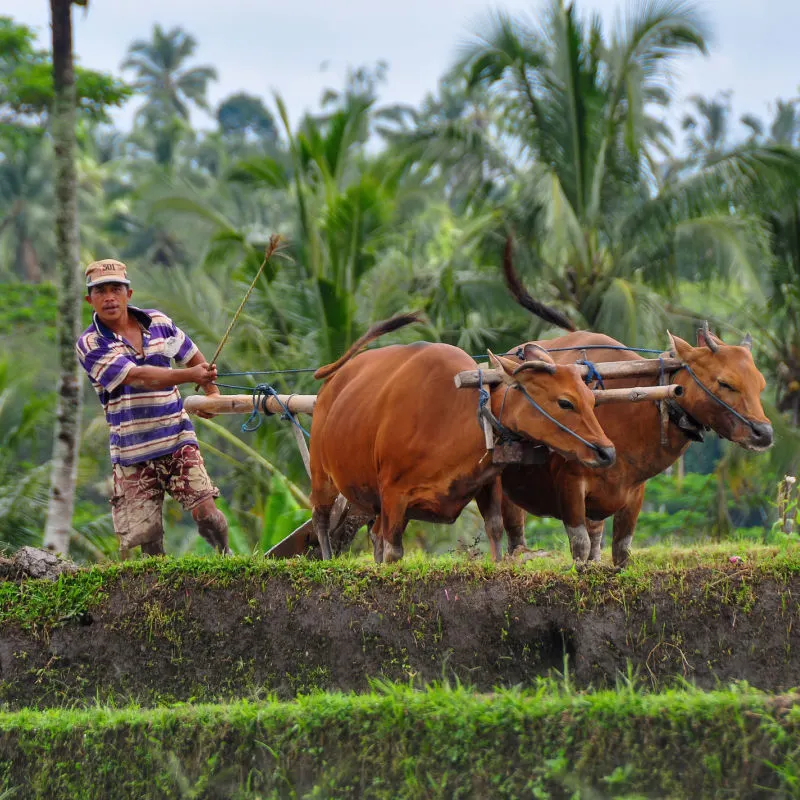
pixel 144 423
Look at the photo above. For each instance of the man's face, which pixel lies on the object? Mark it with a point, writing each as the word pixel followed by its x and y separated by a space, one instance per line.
pixel 110 301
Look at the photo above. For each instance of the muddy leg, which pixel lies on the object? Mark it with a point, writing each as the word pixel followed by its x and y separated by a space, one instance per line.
pixel 595 529
pixel 514 523
pixel 377 540
pixel 322 520
pixel 153 548
pixel 573 513
pixel 212 525
pixel 489 500
pixel 393 524
pixel 624 525
pixel 323 498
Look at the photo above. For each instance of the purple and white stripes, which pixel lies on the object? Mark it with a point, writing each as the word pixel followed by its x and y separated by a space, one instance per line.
pixel 145 424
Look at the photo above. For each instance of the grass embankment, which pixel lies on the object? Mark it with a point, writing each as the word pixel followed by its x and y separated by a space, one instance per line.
pixel 396 742
pixel 41 605
pixel 211 629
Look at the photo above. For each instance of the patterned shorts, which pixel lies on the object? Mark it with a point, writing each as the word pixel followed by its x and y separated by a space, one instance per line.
pixel 136 506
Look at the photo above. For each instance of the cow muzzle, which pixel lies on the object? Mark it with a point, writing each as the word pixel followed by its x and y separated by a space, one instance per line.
pixel 762 436
pixel 603 457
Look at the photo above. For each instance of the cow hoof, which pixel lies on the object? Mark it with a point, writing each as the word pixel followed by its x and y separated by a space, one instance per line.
pixel 377 548
pixel 391 553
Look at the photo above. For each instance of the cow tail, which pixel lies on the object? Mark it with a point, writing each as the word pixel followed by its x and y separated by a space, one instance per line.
pixel 378 329
pixel 551 315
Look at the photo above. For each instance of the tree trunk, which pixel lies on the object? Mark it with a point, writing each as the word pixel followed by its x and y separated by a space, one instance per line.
pixel 70 291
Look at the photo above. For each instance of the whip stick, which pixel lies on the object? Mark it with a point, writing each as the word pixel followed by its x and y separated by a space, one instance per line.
pixel 274 242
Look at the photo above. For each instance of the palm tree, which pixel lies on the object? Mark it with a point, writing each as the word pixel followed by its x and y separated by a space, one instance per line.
pixel 26 203
pixel 708 125
pixel 580 114
pixel 161 75
pixel 67 431
pixel 781 212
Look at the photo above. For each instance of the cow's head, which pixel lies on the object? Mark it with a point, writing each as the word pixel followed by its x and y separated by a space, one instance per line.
pixel 559 391
pixel 729 373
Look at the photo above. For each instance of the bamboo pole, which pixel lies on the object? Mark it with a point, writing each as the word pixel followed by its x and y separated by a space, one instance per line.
pixel 304 403
pixel 468 379
pixel 636 394
pixel 243 403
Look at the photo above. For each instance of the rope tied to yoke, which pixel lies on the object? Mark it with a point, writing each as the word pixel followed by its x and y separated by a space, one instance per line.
pixel 484 412
pixel 593 374
pixel 261 394
pixel 663 409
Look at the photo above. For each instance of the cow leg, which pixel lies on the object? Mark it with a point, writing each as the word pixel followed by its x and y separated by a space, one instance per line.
pixel 321 517
pixel 514 523
pixel 490 500
pixel 574 517
pixel 323 498
pixel 595 529
pixel 393 525
pixel 377 540
pixel 624 525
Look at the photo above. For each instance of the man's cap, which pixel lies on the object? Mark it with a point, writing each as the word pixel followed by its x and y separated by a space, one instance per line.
pixel 108 270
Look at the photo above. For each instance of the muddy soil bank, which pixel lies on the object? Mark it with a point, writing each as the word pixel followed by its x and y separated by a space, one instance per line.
pixel 195 637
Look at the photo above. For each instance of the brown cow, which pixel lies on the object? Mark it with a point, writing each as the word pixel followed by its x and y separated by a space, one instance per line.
pixel 721 391
pixel 392 433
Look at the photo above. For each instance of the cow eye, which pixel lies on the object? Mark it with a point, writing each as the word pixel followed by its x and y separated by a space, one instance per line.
pixel 723 385
pixel 565 404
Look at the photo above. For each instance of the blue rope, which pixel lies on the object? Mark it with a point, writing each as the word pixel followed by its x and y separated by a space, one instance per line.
pixel 520 388
pixel 271 371
pixel 593 374
pixel 260 395
pixel 603 347
pixel 518 353
pixel 483 396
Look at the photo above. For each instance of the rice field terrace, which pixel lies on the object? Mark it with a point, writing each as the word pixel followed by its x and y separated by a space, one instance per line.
pixel 434 677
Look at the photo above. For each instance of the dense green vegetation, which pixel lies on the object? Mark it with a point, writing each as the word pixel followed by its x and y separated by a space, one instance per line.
pixel 564 133
pixel 397 742
pixel 628 216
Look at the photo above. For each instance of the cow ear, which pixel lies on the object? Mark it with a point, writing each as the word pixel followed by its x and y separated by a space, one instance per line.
pixel 534 352
pixel 504 366
pixel 680 347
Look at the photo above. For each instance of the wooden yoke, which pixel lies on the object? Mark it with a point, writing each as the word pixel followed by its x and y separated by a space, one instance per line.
pixel 468 379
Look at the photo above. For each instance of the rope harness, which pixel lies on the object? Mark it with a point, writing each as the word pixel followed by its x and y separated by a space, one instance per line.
pixel 261 394
pixel 592 374
pixel 506 434
pixel 667 407
pixel 669 410
pixel 719 400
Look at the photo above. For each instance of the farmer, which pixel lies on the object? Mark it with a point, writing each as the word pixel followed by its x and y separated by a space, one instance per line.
pixel 126 352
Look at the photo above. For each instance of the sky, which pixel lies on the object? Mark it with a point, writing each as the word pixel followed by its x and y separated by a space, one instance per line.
pixel 299 48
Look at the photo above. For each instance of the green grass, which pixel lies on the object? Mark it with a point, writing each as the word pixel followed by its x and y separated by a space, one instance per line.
pixel 396 742
pixel 39 605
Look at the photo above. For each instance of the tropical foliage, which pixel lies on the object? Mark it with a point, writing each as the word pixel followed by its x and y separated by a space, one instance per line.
pixel 628 215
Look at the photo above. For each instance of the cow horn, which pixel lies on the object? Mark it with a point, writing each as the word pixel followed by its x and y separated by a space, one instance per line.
pixel 747 341
pixel 536 366
pixel 709 339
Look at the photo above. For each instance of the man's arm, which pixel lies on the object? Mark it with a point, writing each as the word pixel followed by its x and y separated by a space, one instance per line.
pixel 199 359
pixel 197 371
